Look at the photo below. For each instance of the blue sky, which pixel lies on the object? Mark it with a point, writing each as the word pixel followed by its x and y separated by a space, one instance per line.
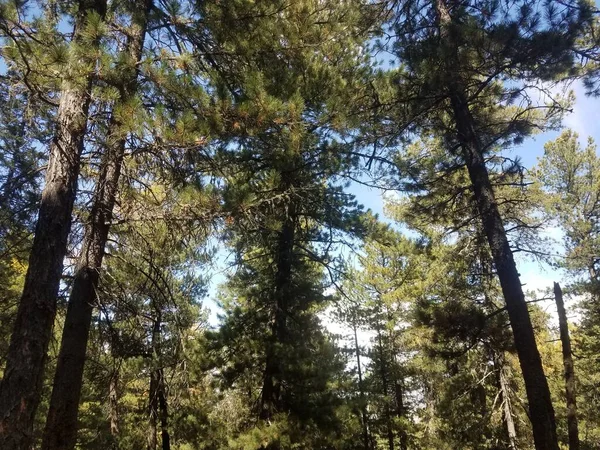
pixel 536 276
pixel 584 120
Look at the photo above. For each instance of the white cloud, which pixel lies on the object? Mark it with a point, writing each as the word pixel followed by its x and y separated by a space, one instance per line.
pixel 584 118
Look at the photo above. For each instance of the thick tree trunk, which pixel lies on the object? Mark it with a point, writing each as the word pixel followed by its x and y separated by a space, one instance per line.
pixel 20 389
pixel 361 388
pixel 565 339
pixel 536 385
pixel 61 424
pixel 271 392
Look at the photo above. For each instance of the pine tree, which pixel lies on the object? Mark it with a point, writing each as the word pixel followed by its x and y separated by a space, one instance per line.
pixel 23 122
pixel 390 282
pixel 567 176
pixel 21 384
pixel 61 424
pixel 456 60
pixel 277 288
pixel 148 298
pixel 573 426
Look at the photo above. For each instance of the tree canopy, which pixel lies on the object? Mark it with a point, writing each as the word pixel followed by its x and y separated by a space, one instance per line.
pixel 189 257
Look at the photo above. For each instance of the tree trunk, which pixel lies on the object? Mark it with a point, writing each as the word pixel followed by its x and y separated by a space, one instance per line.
pixel 158 411
pixel 158 407
pixel 153 393
pixel 20 389
pixel 113 408
pixel 507 410
pixel 361 388
pixel 384 390
pixel 153 411
pixel 569 370
pixel 401 413
pixel 61 424
pixel 538 394
pixel 398 385
pixel 536 385
pixel 164 411
pixel 271 392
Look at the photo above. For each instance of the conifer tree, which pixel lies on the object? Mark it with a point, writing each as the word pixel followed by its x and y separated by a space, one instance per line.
pixel 148 301
pixel 390 280
pixel 61 424
pixel 441 209
pixel 573 426
pixel 567 176
pixel 277 288
pixel 23 122
pixel 226 137
pixel 457 59
pixel 21 383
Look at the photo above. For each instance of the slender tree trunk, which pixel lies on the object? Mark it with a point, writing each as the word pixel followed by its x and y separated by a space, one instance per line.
pixel 536 385
pixel 361 388
pixel 113 408
pixel 158 407
pixel 268 396
pixel 384 390
pixel 20 389
pixel 153 411
pixel 398 385
pixel 153 393
pixel 507 410
pixel 61 424
pixel 538 393
pixel 401 413
pixel 271 391
pixel 565 339
pixel 164 412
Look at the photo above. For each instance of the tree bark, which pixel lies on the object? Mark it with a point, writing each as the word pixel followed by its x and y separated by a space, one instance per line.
pixel 61 425
pixel 20 389
pixel 401 413
pixel 271 392
pixel 398 385
pixel 384 390
pixel 153 411
pixel 570 389
pixel 158 407
pixel 158 411
pixel 536 385
pixel 507 410
pixel 155 375
pixel 113 408
pixel 164 412
pixel 361 388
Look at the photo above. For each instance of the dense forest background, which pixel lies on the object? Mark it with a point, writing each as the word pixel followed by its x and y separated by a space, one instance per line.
pixel 184 264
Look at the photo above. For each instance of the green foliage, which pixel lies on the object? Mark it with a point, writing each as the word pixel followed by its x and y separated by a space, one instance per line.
pixel 568 177
pixel 245 125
